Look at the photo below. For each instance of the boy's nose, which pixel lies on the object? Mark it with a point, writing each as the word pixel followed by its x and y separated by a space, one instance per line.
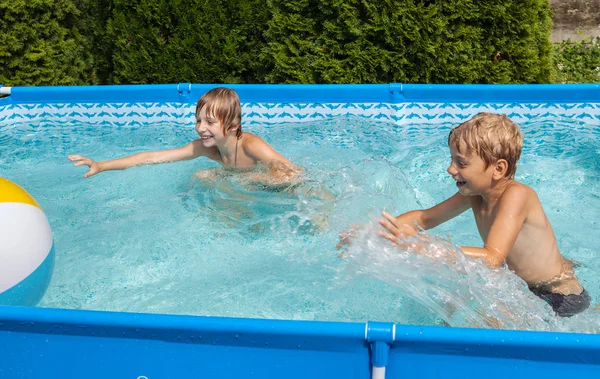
pixel 451 169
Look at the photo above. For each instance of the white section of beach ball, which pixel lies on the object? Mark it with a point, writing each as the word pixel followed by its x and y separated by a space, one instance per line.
pixel 25 242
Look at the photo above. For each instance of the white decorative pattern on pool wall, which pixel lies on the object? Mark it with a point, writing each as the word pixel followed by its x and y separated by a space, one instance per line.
pixel 131 114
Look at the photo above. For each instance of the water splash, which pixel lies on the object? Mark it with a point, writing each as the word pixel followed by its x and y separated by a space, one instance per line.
pixel 462 292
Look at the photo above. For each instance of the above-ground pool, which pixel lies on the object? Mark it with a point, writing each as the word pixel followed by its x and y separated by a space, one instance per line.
pixel 155 240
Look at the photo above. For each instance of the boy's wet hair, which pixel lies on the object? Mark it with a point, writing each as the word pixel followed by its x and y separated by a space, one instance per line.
pixel 224 104
pixel 492 137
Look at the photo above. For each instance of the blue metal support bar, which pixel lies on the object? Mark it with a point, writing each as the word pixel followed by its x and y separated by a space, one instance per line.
pixel 380 335
pixel 314 93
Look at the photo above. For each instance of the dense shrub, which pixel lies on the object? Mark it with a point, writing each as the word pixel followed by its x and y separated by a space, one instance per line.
pixel 164 41
pixel 40 43
pixel 275 41
pixel 94 16
pixel 436 41
pixel 578 62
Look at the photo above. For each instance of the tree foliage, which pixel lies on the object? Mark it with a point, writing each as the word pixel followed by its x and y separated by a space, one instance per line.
pixel 416 41
pixel 201 41
pixel 275 41
pixel 40 43
pixel 578 61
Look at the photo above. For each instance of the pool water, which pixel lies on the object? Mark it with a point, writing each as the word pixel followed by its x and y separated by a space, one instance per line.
pixel 153 239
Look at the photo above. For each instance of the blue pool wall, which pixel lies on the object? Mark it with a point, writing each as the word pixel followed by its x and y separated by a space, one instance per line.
pixel 56 343
pixel 59 343
pixel 263 104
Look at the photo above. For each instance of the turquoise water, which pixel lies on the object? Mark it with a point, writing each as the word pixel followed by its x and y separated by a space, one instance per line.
pixel 151 239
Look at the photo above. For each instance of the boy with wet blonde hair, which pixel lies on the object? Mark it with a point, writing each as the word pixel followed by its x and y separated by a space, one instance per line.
pixel 493 137
pixel 219 125
pixel 508 214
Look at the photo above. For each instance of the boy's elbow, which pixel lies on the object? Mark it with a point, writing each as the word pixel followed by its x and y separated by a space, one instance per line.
pixel 494 260
pixel 423 220
pixel 494 257
pixel 491 259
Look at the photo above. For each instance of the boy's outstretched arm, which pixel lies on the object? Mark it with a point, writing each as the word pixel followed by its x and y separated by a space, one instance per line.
pixel 405 224
pixel 511 214
pixel 436 215
pixel 192 150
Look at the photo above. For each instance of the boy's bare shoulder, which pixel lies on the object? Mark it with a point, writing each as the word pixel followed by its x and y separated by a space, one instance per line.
pixel 256 147
pixel 250 141
pixel 517 191
pixel 251 137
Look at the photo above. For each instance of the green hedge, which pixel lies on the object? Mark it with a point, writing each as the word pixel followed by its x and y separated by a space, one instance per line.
pixel 578 62
pixel 275 41
pixel 165 41
pixel 93 20
pixel 40 44
pixel 414 41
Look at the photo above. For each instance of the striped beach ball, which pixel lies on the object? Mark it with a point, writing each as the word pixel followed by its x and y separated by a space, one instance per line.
pixel 26 247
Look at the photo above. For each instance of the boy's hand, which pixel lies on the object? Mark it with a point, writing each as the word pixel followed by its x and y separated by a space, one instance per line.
pixel 81 160
pixel 395 230
pixel 283 172
pixel 208 175
pixel 347 236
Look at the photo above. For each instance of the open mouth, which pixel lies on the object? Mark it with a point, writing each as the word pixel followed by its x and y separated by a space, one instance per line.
pixel 460 183
pixel 205 138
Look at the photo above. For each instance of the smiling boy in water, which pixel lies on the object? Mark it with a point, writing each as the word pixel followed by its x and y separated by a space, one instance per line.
pixel 508 214
pixel 218 123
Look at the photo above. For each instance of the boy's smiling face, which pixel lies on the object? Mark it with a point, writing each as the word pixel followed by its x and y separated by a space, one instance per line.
pixel 469 171
pixel 209 128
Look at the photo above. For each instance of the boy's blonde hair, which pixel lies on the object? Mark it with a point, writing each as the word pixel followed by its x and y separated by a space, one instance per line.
pixel 224 104
pixel 492 137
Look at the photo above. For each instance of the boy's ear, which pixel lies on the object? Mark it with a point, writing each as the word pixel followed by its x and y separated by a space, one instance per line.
pixel 231 129
pixel 500 168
